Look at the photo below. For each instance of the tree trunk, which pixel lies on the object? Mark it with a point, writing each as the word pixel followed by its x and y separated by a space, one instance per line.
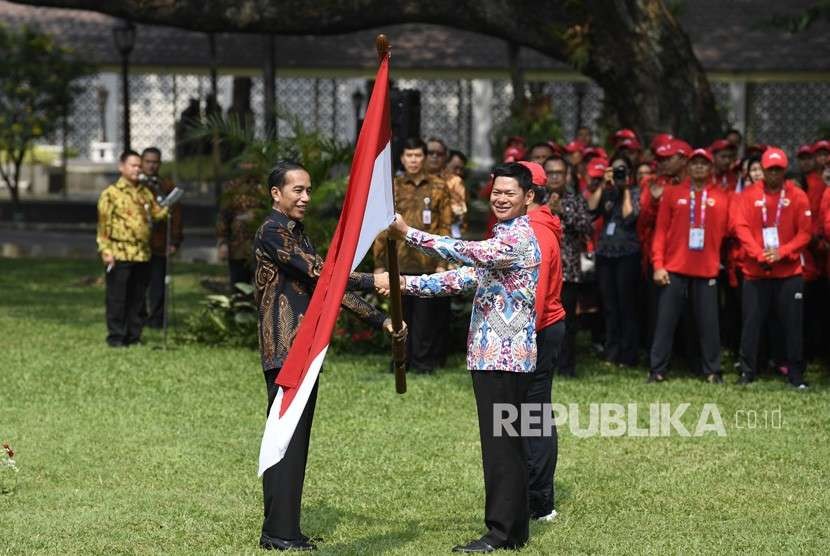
pixel 634 49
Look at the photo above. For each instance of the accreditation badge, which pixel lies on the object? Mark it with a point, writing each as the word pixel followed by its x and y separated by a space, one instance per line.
pixel 610 228
pixel 426 215
pixel 696 236
pixel 771 238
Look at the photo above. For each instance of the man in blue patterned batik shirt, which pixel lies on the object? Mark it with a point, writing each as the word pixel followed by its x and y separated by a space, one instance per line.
pixel 501 344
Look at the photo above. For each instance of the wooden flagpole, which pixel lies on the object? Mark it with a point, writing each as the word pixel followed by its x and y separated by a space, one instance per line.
pixel 395 311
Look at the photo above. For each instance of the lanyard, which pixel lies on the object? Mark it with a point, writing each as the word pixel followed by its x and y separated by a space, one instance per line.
pixel 702 208
pixel 777 212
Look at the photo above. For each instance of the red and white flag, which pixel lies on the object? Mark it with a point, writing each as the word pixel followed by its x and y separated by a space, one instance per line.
pixel 367 210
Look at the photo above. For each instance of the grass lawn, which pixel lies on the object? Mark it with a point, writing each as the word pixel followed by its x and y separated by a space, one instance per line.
pixel 145 451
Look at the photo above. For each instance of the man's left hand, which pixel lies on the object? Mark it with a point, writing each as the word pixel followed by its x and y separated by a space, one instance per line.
pixel 399 336
pixel 172 250
pixel 772 255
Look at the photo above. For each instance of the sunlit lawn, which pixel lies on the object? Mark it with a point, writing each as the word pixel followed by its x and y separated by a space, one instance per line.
pixel 149 451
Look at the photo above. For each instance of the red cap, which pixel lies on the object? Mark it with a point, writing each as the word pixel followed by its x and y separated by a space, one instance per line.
pixel 673 147
pixel 537 173
pixel 622 134
pixel 702 152
pixel 823 145
pixel 557 148
pixel 721 145
pixel 659 139
pixel 774 157
pixel 592 152
pixel 574 146
pixel 630 144
pixel 512 154
pixel 805 150
pixel 516 141
pixel 596 168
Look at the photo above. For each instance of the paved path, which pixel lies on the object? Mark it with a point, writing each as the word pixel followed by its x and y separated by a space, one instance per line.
pixel 80 244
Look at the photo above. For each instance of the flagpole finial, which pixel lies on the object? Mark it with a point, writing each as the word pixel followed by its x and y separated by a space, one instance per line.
pixel 382 44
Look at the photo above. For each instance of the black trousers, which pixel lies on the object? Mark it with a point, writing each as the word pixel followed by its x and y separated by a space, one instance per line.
pixel 619 279
pixel 566 362
pixel 428 322
pixel 503 458
pixel 542 450
pixel 784 297
pixel 730 312
pixel 815 328
pixel 282 484
pixel 126 284
pixel 702 294
pixel 155 292
pixel 240 270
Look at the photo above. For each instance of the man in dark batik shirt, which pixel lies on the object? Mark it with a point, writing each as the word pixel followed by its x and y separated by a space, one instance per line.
pixel 287 269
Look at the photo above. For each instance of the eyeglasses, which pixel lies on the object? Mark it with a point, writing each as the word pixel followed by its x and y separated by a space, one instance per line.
pixel 437 153
pixel 555 172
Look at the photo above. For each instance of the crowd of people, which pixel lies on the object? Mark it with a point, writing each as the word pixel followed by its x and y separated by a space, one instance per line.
pixel 685 243
pixel 665 250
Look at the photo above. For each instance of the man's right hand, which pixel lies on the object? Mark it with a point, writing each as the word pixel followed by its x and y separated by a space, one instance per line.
pixel 222 251
pixel 108 259
pixel 661 277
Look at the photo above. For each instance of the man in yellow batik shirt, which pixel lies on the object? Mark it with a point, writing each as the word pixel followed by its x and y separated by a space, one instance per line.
pixel 425 201
pixel 126 211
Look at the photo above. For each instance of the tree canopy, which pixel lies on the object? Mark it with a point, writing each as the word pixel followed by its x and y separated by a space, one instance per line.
pixel 634 49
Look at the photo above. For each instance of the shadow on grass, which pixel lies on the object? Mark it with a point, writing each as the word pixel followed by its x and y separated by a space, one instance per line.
pixel 325 520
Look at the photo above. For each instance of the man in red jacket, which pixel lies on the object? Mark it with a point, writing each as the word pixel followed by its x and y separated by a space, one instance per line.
pixel 550 331
pixel 672 155
pixel 691 223
pixel 773 223
pixel 723 156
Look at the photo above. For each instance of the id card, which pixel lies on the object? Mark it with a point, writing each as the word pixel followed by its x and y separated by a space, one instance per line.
pixel 427 216
pixel 771 238
pixel 455 230
pixel 696 236
pixel 611 228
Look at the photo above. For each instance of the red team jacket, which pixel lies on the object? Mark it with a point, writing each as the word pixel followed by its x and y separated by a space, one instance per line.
pixel 793 229
pixel 548 231
pixel 670 244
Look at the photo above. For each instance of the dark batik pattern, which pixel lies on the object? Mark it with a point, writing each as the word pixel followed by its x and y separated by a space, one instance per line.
pixel 287 269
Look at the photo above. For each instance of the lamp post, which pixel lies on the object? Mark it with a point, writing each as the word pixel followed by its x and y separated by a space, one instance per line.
pixel 124 35
pixel 357 102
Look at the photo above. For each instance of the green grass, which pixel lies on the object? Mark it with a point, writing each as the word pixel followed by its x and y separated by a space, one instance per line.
pixel 144 451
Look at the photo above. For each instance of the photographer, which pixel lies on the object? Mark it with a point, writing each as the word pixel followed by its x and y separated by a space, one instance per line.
pixel 618 259
pixel 153 312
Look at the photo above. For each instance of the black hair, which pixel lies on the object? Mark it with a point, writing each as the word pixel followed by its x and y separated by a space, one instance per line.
pixel 437 140
pixel 127 154
pixel 537 145
pixel 459 154
pixel 540 194
pixel 735 131
pixel 412 143
pixel 149 150
pixel 276 177
pixel 516 171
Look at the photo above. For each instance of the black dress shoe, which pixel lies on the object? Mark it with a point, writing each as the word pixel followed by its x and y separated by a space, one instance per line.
pixel 476 546
pixel 275 543
pixel 746 378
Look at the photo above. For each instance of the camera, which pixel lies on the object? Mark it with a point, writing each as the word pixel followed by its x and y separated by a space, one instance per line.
pixel 144 179
pixel 620 174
